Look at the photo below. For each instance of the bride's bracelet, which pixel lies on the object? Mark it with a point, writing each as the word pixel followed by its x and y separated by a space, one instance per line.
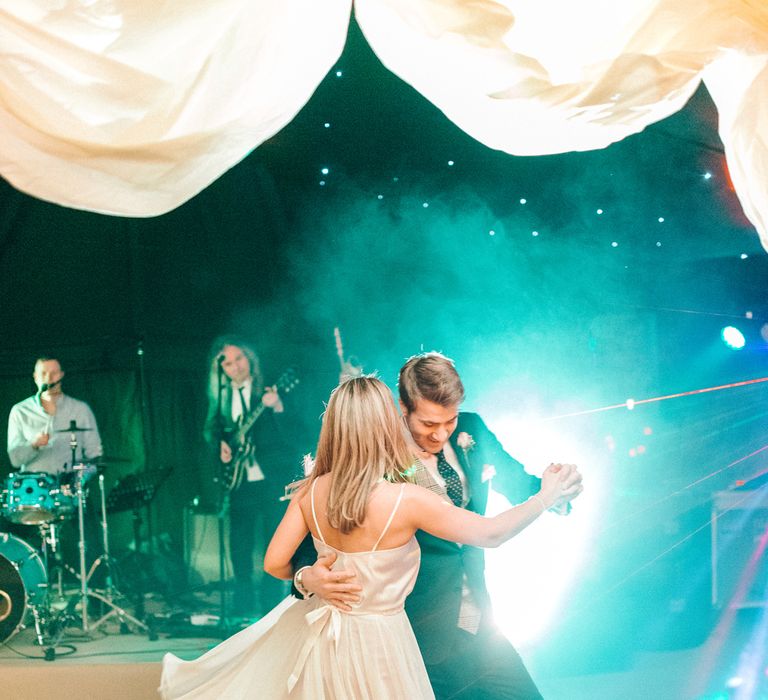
pixel 299 584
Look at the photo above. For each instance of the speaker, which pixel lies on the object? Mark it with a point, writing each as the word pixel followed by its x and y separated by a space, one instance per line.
pixel 201 545
pixel 739 557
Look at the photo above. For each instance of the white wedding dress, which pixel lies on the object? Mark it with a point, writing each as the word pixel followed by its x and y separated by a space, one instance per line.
pixel 309 649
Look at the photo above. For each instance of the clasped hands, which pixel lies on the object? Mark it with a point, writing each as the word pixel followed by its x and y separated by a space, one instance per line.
pixel 560 484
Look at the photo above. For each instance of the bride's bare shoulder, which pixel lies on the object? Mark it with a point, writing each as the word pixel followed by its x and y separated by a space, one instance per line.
pixel 303 490
pixel 411 492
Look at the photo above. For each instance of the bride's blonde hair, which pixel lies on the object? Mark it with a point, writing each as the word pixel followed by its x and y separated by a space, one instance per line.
pixel 361 442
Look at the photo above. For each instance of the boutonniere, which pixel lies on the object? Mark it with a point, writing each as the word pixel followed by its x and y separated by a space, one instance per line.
pixel 465 441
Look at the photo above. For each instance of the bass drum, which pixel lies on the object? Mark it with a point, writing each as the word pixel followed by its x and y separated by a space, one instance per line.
pixel 23 583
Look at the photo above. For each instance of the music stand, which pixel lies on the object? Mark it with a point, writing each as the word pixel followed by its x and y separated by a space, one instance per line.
pixel 134 492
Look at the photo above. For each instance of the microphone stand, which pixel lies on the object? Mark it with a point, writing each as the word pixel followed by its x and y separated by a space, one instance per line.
pixel 146 436
pixel 223 509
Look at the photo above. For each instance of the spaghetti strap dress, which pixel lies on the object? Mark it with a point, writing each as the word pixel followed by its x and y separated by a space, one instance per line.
pixel 311 650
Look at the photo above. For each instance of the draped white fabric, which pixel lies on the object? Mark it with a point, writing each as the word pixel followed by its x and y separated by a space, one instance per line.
pixel 531 77
pixel 133 106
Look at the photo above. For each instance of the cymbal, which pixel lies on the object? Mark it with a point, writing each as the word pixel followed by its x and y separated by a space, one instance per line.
pixel 73 429
pixel 88 467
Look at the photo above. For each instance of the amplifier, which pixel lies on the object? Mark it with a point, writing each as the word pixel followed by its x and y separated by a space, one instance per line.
pixel 201 544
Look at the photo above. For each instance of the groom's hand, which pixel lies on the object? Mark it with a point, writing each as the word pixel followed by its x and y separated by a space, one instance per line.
pixel 336 587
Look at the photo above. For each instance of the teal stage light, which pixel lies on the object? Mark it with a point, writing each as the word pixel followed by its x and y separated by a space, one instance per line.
pixel 733 337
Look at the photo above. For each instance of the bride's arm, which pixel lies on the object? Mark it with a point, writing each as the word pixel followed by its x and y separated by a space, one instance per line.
pixel 428 511
pixel 289 535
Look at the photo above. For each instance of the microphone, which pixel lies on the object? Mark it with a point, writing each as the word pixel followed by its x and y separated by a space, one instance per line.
pixel 45 387
pixel 220 359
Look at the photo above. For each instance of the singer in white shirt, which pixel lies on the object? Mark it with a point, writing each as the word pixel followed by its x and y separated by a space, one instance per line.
pixel 38 437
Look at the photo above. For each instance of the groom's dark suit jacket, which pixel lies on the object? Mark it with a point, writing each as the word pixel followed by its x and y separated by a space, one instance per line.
pixel 433 606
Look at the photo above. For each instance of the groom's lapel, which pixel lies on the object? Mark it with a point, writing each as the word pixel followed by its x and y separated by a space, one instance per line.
pixel 471 462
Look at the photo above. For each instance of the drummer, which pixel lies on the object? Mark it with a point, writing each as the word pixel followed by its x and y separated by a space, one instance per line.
pixel 41 426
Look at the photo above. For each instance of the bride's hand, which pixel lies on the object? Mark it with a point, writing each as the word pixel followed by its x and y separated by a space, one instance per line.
pixel 560 484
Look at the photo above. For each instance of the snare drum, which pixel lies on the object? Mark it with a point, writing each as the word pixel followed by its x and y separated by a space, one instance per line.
pixel 23 583
pixel 30 497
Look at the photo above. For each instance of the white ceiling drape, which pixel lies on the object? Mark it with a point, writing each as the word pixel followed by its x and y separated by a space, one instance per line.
pixel 132 107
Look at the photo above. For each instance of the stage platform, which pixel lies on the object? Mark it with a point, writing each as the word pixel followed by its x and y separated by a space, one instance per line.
pixel 114 666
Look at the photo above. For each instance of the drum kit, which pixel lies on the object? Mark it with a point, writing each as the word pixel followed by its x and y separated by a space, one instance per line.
pixel 48 501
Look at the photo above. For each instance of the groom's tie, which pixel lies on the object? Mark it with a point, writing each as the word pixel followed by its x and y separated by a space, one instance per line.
pixel 452 480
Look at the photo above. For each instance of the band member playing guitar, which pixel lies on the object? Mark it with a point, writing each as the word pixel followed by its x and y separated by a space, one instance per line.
pixel 246 427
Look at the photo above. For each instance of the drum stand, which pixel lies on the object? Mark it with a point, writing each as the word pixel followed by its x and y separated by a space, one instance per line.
pixel 107 596
pixel 50 543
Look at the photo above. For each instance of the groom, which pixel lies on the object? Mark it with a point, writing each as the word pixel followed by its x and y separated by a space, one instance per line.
pixel 449 608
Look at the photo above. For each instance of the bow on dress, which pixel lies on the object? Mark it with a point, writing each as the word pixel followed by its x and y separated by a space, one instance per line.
pixel 326 617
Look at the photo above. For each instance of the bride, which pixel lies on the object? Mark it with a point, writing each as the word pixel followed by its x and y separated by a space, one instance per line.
pixel 357 506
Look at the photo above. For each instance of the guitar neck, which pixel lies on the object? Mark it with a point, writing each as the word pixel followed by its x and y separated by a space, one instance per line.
pixel 286 382
pixel 249 421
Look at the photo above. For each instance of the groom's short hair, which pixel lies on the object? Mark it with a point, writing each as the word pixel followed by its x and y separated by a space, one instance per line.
pixel 431 376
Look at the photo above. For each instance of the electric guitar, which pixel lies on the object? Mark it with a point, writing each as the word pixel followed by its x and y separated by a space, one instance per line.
pixel 239 439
